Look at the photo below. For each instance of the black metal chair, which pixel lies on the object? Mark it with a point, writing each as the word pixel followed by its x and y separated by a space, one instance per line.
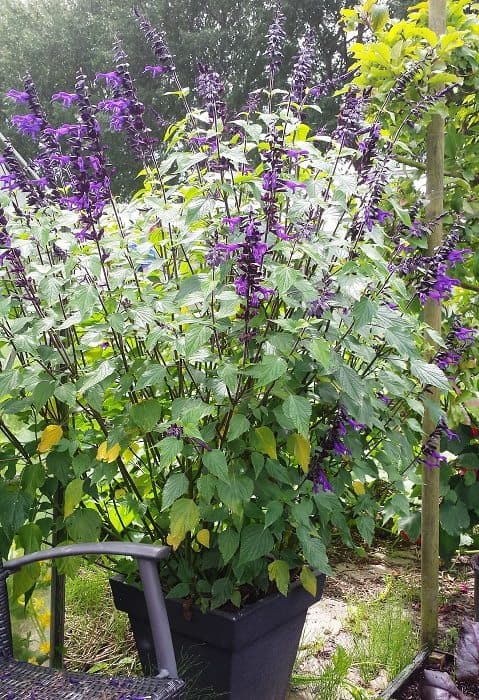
pixel 24 681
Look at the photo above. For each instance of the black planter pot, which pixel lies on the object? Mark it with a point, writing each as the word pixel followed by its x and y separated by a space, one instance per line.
pixel 245 655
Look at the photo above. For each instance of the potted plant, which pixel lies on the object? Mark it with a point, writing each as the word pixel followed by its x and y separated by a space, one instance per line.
pixel 225 360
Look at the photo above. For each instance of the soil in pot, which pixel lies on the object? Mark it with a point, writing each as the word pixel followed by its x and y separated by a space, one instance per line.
pixel 411 688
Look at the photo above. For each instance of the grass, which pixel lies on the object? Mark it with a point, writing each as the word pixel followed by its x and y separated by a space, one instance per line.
pixel 385 637
pixel 97 636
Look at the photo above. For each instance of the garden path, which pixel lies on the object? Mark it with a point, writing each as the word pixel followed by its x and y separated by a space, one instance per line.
pixel 357 578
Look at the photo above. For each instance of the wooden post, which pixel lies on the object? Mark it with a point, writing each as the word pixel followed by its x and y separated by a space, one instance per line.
pixel 432 316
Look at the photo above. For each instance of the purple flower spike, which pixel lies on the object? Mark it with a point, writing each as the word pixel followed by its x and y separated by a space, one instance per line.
pixel 275 39
pixel 303 67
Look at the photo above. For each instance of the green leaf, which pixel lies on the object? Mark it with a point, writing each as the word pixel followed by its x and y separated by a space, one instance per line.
pixel 153 375
pixel 236 491
pixel 184 517
pixel 364 312
pixel 106 369
pixel 215 462
pixel 146 414
pixel 66 393
pixel 14 507
pixel 256 542
pixel 298 410
pixel 269 369
pixel 265 441
pixel 181 590
pixel 228 543
pixel 429 374
pixel 454 517
pixel 320 350
pixel 401 339
pixel 366 527
pixel 73 496
pixel 43 391
pixel 278 571
pixel 33 477
pixel 309 580
pixel 239 424
pixel 170 447
pixel 29 537
pixel 176 485
pixel 190 411
pixel 25 579
pixel 274 510
pixel 350 382
pixel 84 525
pixel 314 551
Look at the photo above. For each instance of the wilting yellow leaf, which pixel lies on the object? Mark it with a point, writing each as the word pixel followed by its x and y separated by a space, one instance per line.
pixel 106 454
pixel 50 437
pixel 174 541
pixel 309 580
pixel 358 488
pixel 301 447
pixel 101 451
pixel 113 453
pixel 203 537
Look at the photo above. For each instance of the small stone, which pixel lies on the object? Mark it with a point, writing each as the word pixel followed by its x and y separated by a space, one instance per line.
pixel 436 659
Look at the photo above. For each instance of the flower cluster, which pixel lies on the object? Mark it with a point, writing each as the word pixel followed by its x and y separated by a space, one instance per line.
pixel 248 283
pixel 431 454
pixel 127 111
pixel 457 341
pixel 332 443
pixel 431 272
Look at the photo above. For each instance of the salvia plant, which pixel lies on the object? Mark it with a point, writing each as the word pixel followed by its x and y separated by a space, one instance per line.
pixel 226 360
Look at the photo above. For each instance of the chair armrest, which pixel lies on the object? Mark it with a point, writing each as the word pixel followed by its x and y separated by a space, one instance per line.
pixel 148 552
pixel 148 556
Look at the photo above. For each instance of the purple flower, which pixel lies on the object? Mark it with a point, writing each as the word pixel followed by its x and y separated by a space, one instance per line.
pixel 66 98
pixel 155 70
pixel 431 455
pixel 18 96
pixel 319 306
pixel 174 431
pixel 27 124
pixel 220 252
pixel 112 78
pixel 321 480
pixel 291 185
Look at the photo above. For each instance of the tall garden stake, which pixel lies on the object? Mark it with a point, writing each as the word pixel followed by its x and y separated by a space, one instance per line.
pixel 432 316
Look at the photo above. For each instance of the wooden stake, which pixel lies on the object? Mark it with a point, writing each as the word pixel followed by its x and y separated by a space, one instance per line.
pixel 432 316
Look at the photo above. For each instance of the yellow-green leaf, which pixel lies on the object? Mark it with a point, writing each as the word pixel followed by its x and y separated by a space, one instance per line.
pixel 265 441
pixel 108 454
pixel 50 437
pixel 278 571
pixel 25 578
pixel 203 537
pixel 358 488
pixel 184 517
pixel 73 495
pixel 308 580
pixel 301 448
